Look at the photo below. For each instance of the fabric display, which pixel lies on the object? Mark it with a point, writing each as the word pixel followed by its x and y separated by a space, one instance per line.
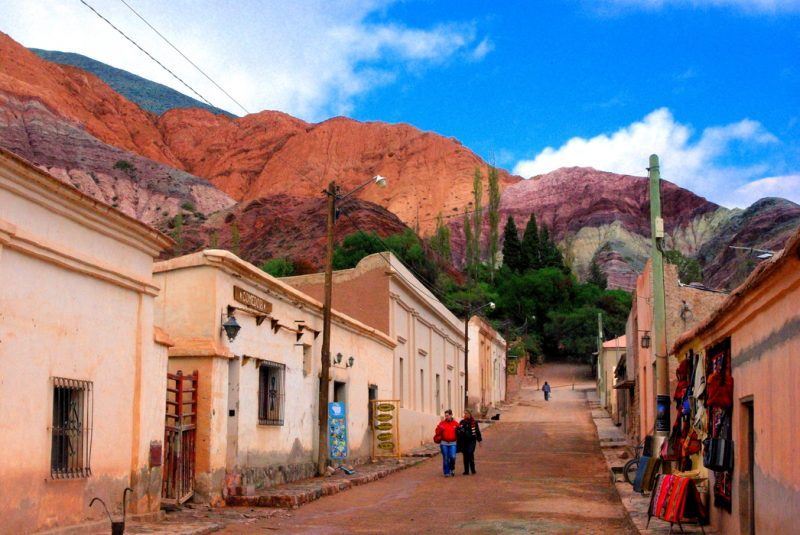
pixel 675 499
pixel 646 473
pixel 682 441
pixel 718 448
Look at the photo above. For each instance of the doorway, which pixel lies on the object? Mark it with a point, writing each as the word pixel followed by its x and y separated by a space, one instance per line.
pixel 749 439
pixel 180 431
pixel 232 449
pixel 340 392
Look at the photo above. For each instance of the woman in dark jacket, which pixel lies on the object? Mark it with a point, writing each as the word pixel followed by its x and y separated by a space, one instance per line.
pixel 469 435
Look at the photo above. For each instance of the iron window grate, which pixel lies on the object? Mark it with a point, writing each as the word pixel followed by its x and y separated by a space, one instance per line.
pixel 71 449
pixel 271 376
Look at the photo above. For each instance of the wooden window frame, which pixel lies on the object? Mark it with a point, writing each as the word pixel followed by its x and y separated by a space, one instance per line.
pixel 271 393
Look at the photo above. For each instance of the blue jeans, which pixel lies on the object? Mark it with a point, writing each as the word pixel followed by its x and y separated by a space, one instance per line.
pixel 448 457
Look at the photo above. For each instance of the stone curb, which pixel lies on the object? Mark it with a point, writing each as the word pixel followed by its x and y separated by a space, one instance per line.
pixel 290 498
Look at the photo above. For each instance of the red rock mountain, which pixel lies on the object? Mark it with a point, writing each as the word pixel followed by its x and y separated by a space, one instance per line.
pixel 191 161
pixel 261 154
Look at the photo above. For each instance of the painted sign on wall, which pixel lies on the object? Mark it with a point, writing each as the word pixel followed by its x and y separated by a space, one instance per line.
pixel 385 428
pixel 337 430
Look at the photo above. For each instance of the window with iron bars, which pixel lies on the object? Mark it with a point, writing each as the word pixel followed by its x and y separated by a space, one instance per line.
pixel 271 377
pixel 71 449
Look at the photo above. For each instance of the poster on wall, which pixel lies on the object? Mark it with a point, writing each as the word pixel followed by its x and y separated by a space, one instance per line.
pixel 385 428
pixel 337 430
pixel 662 413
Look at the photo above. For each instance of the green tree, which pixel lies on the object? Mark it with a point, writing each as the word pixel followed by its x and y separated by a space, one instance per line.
pixel 596 275
pixel 440 241
pixel 550 254
pixel 235 239
pixel 177 233
pixel 214 243
pixel 531 250
pixel 512 247
pixel 469 247
pixel 477 215
pixel 689 269
pixel 494 218
pixel 574 332
pixel 278 267
pixel 406 246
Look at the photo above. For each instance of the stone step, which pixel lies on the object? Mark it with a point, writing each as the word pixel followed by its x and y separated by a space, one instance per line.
pixel 293 495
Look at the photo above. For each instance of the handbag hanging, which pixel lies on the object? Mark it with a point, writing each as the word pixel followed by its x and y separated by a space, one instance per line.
pixel 718 451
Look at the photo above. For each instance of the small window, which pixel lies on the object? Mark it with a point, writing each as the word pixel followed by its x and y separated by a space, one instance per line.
pixel 271 393
pixel 72 429
pixel 307 360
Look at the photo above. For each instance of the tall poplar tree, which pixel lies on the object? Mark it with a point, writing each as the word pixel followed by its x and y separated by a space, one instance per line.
pixel 477 215
pixel 531 249
pixel 494 218
pixel 469 244
pixel 235 238
pixel 512 247
pixel 440 241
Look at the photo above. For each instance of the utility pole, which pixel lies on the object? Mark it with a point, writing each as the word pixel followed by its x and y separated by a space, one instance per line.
pixel 324 375
pixel 662 423
pixel 333 195
pixel 601 387
pixel 466 359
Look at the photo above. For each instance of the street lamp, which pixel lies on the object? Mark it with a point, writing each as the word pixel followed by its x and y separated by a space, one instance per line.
pixel 333 197
pixel 470 313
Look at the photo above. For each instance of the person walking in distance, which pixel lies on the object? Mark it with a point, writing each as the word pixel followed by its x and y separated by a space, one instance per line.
pixel 469 436
pixel 546 390
pixel 446 436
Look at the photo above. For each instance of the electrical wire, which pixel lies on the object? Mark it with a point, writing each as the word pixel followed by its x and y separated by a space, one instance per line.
pixel 193 64
pixel 134 43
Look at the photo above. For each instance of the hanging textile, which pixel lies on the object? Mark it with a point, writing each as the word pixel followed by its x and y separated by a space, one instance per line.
pixel 719 447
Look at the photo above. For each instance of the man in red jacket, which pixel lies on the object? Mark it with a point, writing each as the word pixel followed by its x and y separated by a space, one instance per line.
pixel 446 436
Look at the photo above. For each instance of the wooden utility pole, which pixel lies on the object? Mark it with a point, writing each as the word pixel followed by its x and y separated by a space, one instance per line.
pixel 662 423
pixel 466 360
pixel 324 375
pixel 601 387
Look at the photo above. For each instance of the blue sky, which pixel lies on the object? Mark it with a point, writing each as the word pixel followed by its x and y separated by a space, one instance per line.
pixel 713 86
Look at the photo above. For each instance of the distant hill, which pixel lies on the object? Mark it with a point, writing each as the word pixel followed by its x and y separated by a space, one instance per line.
pixel 262 175
pixel 151 96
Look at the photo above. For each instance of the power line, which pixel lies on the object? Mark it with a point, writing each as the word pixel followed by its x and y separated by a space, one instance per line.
pixel 183 55
pixel 147 53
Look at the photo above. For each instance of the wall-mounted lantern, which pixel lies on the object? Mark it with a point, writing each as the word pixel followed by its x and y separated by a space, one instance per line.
pixel 351 361
pixel 338 358
pixel 231 327
pixel 646 339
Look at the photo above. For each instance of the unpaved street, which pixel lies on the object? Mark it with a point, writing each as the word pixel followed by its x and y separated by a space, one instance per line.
pixel 540 470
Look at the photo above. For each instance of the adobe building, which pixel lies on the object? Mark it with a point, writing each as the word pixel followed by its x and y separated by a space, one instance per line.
pixel 612 352
pixel 257 394
pixel 82 367
pixel 756 333
pixel 428 374
pixel 487 366
pixel 686 305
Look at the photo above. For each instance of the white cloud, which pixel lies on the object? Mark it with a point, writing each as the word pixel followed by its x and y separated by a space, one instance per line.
pixel 483 48
pixel 787 186
pixel 310 59
pixel 748 6
pixel 688 160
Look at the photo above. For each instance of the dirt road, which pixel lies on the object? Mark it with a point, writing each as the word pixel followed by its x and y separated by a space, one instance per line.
pixel 540 470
